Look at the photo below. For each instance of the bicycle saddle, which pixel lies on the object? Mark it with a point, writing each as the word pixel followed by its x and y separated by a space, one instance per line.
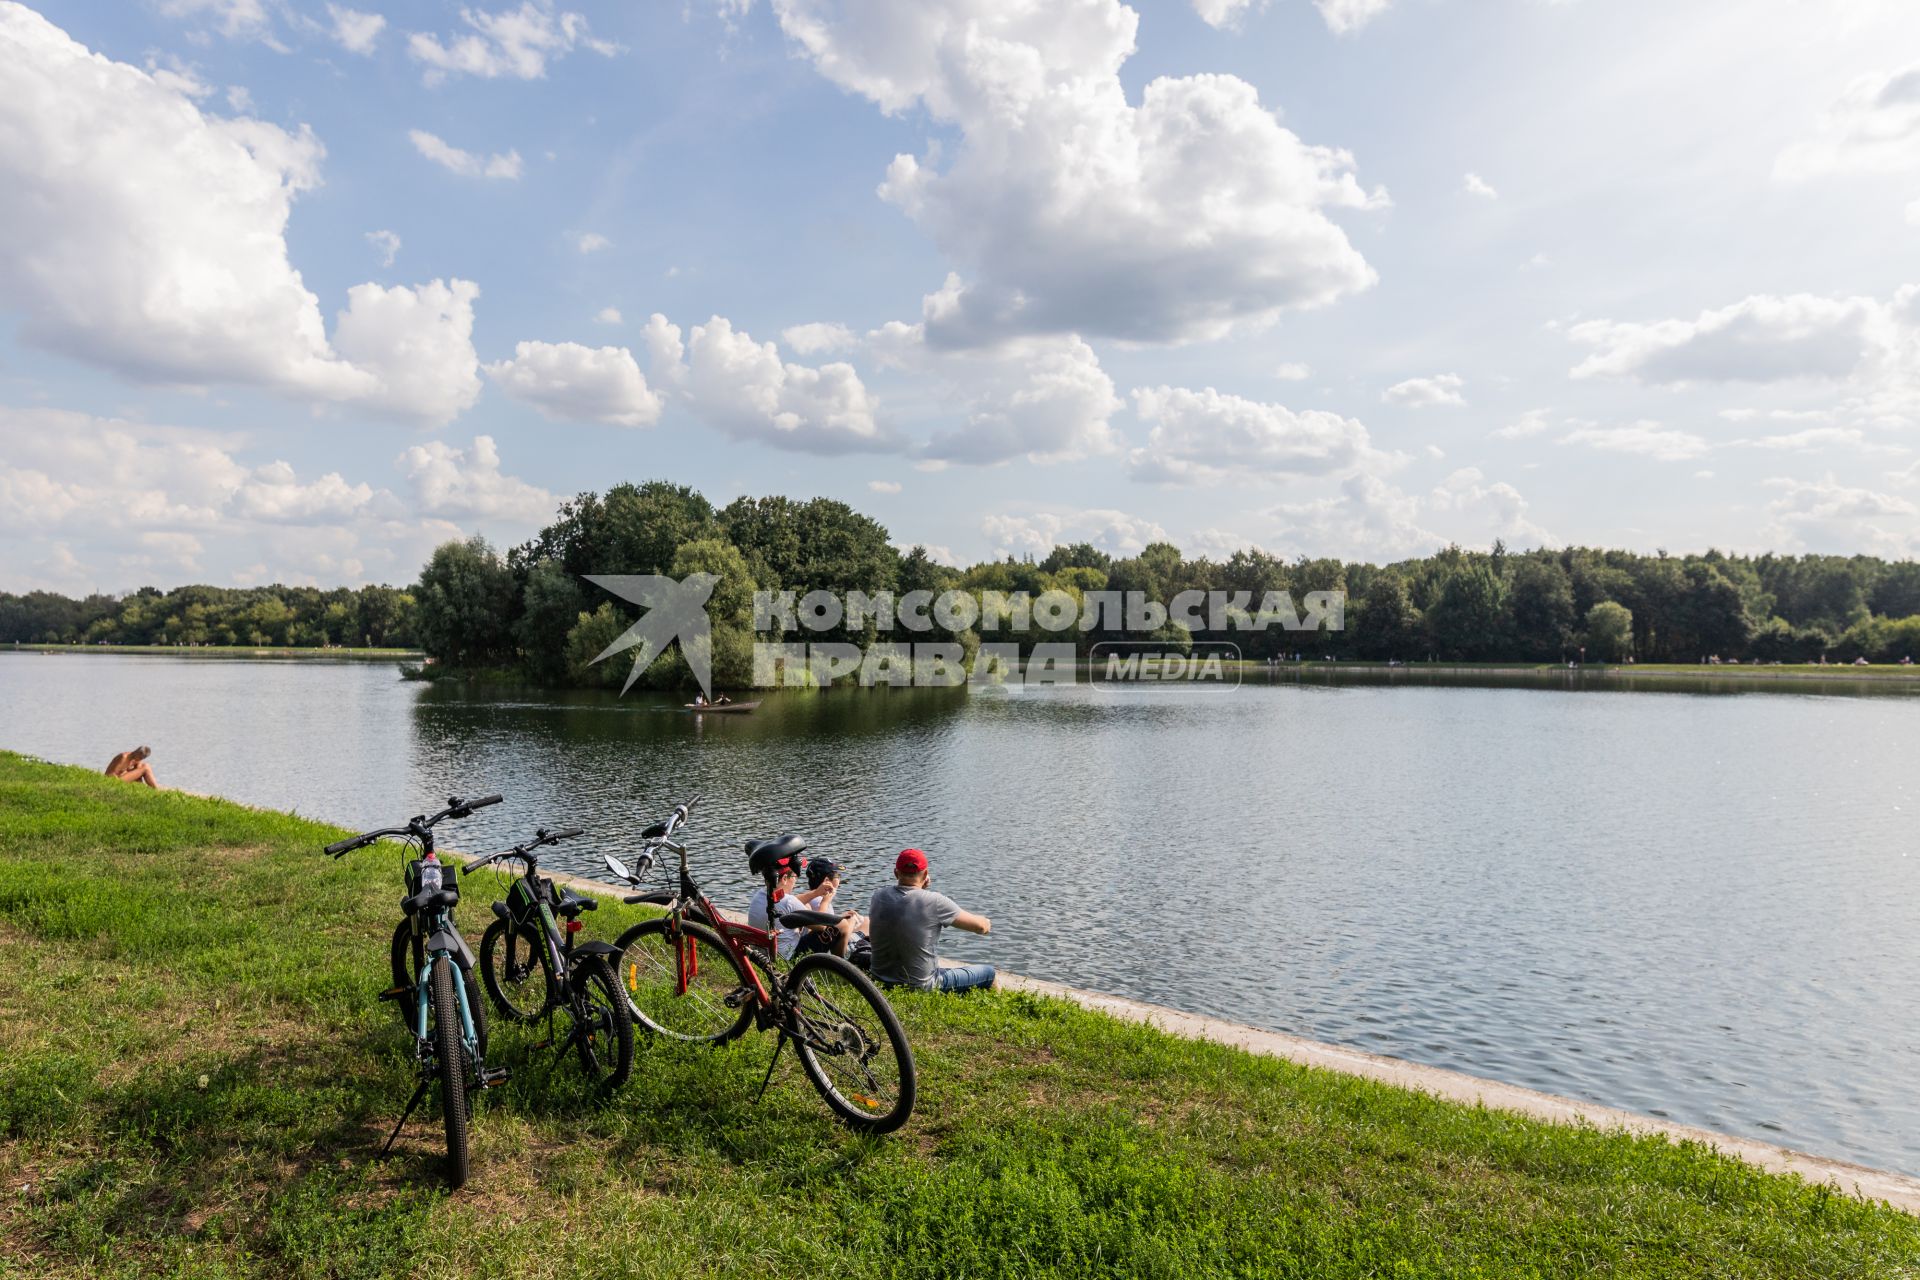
pixel 802 919
pixel 762 854
pixel 572 904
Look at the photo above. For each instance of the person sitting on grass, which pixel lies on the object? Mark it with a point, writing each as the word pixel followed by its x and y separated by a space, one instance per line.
pixel 132 766
pixel 786 873
pixel 849 939
pixel 904 921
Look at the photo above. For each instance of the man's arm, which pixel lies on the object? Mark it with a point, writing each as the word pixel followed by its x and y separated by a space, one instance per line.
pixel 972 923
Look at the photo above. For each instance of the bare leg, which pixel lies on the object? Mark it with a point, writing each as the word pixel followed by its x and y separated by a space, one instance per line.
pixel 144 774
pixel 842 935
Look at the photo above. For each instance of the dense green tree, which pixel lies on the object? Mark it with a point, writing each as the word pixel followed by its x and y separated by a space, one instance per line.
pixel 1609 631
pixel 1542 609
pixel 466 600
pixel 1466 621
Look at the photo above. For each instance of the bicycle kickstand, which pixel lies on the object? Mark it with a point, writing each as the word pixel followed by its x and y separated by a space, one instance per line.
pixel 419 1092
pixel 778 1045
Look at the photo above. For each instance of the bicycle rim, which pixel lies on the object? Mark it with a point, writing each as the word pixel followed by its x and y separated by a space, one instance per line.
pixel 851 1044
pixel 683 983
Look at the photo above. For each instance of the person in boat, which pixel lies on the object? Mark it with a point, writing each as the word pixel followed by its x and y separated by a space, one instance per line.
pixel 905 920
pixel 132 766
pixel 699 699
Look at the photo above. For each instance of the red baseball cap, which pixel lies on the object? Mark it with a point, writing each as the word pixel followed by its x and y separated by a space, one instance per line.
pixel 910 860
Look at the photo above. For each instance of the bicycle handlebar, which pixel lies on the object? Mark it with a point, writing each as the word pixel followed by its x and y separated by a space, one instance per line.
pixel 456 808
pixel 540 837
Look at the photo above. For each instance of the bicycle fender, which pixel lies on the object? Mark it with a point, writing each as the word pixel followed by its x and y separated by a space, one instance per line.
pixel 596 949
pixel 445 939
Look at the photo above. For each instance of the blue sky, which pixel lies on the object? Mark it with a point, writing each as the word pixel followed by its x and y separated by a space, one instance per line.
pixel 293 291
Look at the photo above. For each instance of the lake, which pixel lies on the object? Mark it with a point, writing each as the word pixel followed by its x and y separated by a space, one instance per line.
pixel 1697 905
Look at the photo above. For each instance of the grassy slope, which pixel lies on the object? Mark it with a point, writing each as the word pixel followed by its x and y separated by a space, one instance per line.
pixel 194 1081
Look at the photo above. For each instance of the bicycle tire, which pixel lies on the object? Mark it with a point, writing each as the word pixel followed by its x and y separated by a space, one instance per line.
pixel 500 957
pixel 405 956
pixel 593 981
pixel 700 1014
pixel 826 992
pixel 450 1055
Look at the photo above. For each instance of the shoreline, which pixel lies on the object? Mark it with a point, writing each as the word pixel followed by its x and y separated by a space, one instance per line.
pixel 1900 1190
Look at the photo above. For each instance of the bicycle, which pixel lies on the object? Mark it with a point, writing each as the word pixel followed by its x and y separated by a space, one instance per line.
pixel 533 968
pixel 446 1018
pixel 695 975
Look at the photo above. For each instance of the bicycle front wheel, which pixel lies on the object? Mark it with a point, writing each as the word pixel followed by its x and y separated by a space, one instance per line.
pixel 682 982
pixel 851 1044
pixel 450 1053
pixel 603 1029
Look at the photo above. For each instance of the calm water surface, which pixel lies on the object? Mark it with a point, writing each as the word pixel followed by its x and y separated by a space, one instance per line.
pixel 1705 907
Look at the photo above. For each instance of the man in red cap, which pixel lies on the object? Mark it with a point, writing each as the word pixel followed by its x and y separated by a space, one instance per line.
pixel 904 923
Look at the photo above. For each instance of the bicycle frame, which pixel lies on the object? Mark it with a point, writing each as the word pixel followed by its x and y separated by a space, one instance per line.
pixel 738 938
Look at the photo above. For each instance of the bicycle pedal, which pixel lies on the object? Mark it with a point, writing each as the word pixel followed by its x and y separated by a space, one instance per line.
pixel 493 1077
pixel 394 993
pixel 737 997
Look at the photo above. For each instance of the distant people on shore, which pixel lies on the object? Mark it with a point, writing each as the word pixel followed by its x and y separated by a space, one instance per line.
pixel 132 766
pixel 905 920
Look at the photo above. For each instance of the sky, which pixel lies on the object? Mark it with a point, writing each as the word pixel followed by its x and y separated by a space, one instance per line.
pixel 294 292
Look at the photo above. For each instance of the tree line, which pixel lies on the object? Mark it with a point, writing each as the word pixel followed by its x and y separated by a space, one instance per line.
pixel 532 611
pixel 276 616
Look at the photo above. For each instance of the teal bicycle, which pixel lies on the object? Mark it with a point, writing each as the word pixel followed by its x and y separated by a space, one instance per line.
pixel 433 983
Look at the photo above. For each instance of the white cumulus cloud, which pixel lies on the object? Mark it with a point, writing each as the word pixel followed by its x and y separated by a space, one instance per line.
pixel 743 389
pixel 1642 439
pixel 1762 338
pixel 468 483
pixel 1476 185
pixel 354 31
pixel 388 245
pixel 1069 208
pixel 573 383
pixel 1874 127
pixel 157 248
pixel 1441 390
pixel 513 43
pixel 1043 398
pixel 1115 532
pixel 1344 16
pixel 1226 15
pixel 466 163
pixel 819 337
pixel 1205 436
pixel 416 346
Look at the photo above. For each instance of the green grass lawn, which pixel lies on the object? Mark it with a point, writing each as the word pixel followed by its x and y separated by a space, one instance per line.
pixel 194 1081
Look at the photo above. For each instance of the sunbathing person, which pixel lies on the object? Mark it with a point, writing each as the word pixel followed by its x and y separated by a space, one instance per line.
pixel 132 766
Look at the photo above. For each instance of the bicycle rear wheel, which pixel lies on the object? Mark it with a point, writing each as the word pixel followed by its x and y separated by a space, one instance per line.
pixel 602 1024
pixel 450 1054
pixel 851 1044
pixel 682 982
pixel 513 964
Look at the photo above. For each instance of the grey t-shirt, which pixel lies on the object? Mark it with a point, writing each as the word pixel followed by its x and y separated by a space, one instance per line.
pixel 904 926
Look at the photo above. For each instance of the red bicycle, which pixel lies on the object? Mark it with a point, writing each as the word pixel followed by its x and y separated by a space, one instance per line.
pixel 695 975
